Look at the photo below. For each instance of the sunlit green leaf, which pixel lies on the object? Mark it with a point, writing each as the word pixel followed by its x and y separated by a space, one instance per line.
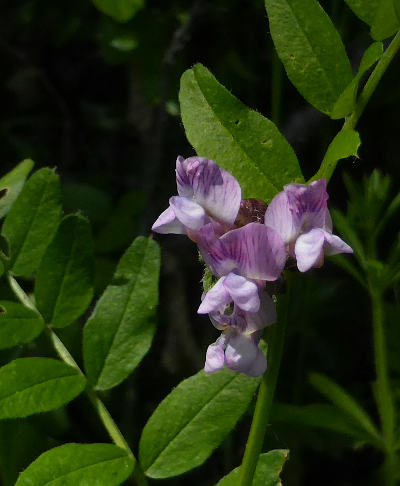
pixel 64 283
pixel 192 421
pixel 32 221
pixel 34 385
pixel 11 185
pixel 268 470
pixel 310 49
pixel 385 22
pixel 222 128
pixel 364 9
pixel 79 465
pixel 18 324
pixel 120 331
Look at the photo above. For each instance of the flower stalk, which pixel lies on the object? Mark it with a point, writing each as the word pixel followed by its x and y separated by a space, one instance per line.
pixel 266 390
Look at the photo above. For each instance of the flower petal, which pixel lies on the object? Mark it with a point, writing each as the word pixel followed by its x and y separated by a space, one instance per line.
pixel 243 292
pixel 257 250
pixel 167 222
pixel 183 182
pixel 264 317
pixel 215 189
pixel 309 249
pixel 280 218
pixel 214 252
pixel 215 356
pixel 242 354
pixel 259 365
pixel 308 204
pixel 334 245
pixel 215 299
pixel 189 213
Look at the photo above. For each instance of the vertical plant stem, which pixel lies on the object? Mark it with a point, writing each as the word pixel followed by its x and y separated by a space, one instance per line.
pixel 373 81
pixel 328 166
pixel 104 415
pixel 383 393
pixel 265 393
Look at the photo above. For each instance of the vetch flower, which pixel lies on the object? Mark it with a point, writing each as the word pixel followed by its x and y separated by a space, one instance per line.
pixel 244 321
pixel 254 251
pixel 207 194
pixel 300 215
pixel 237 351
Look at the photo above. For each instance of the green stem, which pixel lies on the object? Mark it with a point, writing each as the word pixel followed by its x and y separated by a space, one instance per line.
pixel 265 394
pixel 104 415
pixel 373 81
pixel 383 393
pixel 328 165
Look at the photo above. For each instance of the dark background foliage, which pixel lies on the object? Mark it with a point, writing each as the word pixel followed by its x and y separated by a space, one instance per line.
pixel 98 99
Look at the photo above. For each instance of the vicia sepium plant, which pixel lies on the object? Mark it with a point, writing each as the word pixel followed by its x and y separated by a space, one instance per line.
pixel 257 223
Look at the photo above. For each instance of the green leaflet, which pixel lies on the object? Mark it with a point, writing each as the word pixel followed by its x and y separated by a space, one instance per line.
pixel 32 221
pixel 310 49
pixel 18 324
pixel 344 402
pixel 268 470
pixel 346 101
pixel 222 128
pixel 344 145
pixel 192 421
pixel 12 183
pixel 120 10
pixel 385 22
pixel 34 385
pixel 120 331
pixel 64 283
pixel 320 416
pixel 78 465
pixel 365 10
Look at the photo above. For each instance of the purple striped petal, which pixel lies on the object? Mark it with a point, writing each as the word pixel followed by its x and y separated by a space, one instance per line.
pixel 308 204
pixel 167 222
pixel 215 299
pixel 309 249
pixel 183 183
pixel 279 217
pixel 257 250
pixel 217 191
pixel 213 251
pixel 243 292
pixel 189 213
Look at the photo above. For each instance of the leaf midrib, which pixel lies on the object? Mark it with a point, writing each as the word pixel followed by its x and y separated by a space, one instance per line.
pixel 53 481
pixel 6 397
pixel 33 219
pixel 67 265
pixel 160 454
pixel 124 311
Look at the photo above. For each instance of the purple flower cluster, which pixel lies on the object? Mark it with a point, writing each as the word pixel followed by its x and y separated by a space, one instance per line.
pixel 245 244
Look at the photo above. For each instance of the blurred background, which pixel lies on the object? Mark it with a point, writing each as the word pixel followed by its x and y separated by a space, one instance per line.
pixel 93 91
